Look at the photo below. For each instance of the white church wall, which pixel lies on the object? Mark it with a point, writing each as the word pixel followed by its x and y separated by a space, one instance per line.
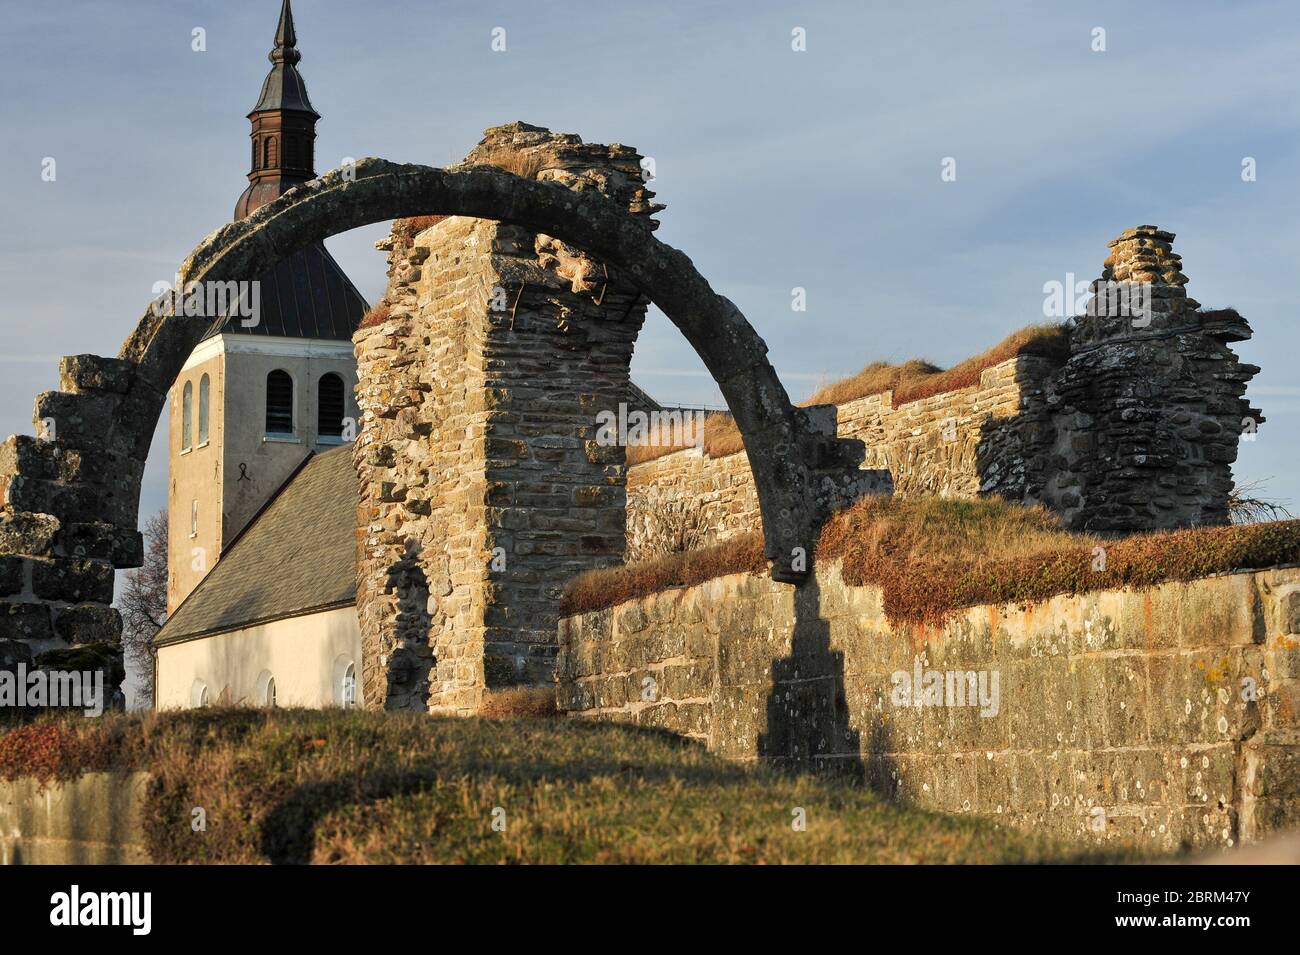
pixel 306 656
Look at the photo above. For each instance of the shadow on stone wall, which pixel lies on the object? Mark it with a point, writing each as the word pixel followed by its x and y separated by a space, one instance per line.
pixel 808 726
pixel 1013 457
pixel 412 660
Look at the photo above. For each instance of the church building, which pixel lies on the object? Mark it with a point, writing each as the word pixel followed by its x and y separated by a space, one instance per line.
pixel 262 493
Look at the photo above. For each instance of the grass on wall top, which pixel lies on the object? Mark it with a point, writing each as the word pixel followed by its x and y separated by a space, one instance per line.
pixel 909 381
pixel 932 557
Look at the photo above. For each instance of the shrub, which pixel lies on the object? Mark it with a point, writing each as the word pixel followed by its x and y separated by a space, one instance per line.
pixel 520 701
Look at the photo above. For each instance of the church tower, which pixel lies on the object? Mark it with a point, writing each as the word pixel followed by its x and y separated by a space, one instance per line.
pixel 261 393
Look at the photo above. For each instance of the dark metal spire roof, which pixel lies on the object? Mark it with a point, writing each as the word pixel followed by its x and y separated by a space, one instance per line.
pixel 284 88
pixel 307 295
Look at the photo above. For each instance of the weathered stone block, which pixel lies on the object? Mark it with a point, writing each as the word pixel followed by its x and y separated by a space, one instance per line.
pixel 76 417
pixel 73 579
pixel 123 547
pixel 11 575
pixel 13 652
pixel 25 621
pixel 81 373
pixel 1289 612
pixel 27 533
pixel 89 623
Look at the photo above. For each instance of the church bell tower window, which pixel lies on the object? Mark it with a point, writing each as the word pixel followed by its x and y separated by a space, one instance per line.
pixel 279 403
pixel 187 411
pixel 205 386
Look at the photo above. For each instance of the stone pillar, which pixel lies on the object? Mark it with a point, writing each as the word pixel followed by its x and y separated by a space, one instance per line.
pixel 68 509
pixel 1149 408
pixel 483 488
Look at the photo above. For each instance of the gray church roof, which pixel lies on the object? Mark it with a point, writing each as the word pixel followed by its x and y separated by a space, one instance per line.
pixel 297 556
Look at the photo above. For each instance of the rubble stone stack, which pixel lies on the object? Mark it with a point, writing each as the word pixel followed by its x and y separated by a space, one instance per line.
pixel 68 512
pixel 1149 408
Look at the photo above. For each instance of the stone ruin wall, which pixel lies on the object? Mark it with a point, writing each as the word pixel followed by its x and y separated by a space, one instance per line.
pixel 1164 717
pixel 1136 431
pixel 686 500
pixel 937 445
pixel 68 513
pixel 483 487
pixel 1146 415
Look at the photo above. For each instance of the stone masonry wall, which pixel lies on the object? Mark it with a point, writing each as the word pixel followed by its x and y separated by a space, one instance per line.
pixel 1136 431
pixel 68 511
pixel 1169 716
pixel 1148 411
pixel 687 499
pixel 483 487
pixel 960 443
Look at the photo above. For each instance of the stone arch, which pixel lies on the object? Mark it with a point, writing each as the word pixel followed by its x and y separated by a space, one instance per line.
pixel 788 447
pixel 71 497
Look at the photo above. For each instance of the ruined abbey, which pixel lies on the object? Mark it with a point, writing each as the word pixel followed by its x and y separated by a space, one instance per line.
pixel 476 489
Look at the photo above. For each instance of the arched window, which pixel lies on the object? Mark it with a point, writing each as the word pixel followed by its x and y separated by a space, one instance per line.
pixel 270 152
pixel 187 408
pixel 199 695
pixel 204 388
pixel 279 403
pixel 348 691
pixel 345 681
pixel 266 689
pixel 254 154
pixel 329 406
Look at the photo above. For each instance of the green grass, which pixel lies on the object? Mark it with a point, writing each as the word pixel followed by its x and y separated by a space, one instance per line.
pixel 336 786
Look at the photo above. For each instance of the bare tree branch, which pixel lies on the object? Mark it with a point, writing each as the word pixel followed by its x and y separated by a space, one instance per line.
pixel 143 602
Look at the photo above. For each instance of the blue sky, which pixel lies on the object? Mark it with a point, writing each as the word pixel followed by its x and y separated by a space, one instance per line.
pixel 817 169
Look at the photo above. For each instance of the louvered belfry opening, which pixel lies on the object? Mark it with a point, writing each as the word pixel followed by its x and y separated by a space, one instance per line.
pixel 329 412
pixel 279 403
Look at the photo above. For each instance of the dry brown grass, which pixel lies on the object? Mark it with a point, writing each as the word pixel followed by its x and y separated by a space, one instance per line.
pixel 356 786
pixel 598 589
pixel 912 380
pixel 376 316
pixel 408 228
pixel 722 436
pixel 932 557
pixel 526 701
pixel 876 378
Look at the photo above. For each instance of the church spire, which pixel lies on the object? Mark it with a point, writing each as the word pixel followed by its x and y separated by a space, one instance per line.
pixel 285 39
pixel 284 125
